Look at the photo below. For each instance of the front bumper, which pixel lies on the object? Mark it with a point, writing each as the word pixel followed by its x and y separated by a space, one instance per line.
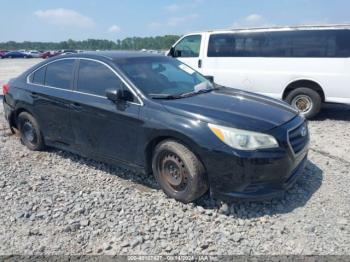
pixel 258 175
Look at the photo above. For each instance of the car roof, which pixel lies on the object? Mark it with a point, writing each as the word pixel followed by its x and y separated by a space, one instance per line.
pixel 276 28
pixel 111 55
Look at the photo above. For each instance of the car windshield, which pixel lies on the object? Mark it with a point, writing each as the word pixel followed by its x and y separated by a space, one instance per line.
pixel 163 77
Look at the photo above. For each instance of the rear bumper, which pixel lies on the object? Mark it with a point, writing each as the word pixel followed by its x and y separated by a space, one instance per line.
pixel 256 175
pixel 8 111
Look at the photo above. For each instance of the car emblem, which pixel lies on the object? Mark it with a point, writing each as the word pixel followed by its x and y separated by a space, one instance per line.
pixel 303 131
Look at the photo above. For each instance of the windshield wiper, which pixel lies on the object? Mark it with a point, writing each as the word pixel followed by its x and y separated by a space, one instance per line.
pixel 182 95
pixel 164 96
pixel 200 91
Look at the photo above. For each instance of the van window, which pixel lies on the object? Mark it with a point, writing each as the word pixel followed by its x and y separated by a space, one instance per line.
pixel 221 45
pixel 94 78
pixel 305 43
pixel 248 45
pixel 60 73
pixel 189 46
pixel 39 76
pixel 236 45
pixel 342 42
pixel 312 43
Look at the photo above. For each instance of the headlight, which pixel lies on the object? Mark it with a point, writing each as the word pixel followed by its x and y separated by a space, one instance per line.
pixel 242 139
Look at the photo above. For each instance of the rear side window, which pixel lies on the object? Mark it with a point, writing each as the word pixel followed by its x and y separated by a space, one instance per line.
pixel 39 76
pixel 60 74
pixel 95 78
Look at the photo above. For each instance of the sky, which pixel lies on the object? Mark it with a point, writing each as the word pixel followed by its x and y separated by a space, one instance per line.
pixel 48 20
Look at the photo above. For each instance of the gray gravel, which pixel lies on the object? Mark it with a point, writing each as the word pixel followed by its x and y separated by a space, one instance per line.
pixel 54 202
pixel 10 68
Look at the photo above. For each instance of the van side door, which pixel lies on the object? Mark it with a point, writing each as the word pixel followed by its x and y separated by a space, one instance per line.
pixel 189 50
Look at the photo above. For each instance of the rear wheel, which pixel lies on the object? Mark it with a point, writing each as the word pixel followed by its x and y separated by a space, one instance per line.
pixel 178 171
pixel 31 135
pixel 307 101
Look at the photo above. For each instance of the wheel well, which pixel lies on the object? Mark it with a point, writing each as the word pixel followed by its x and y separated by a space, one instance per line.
pixel 15 117
pixel 304 83
pixel 149 151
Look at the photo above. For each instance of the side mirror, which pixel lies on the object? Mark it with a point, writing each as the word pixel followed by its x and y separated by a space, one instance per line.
pixel 210 78
pixel 116 95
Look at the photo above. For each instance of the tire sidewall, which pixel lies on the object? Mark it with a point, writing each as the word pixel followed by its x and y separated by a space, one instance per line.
pixel 21 120
pixel 193 179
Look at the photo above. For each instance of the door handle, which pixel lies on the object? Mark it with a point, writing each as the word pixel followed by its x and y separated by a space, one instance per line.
pixel 199 63
pixel 76 106
pixel 34 95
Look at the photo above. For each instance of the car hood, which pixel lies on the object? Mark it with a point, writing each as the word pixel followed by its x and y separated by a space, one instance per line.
pixel 234 108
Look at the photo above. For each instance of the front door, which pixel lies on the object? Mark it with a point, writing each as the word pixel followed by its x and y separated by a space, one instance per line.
pixel 102 127
pixel 187 50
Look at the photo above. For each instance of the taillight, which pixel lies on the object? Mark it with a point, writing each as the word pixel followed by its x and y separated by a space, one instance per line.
pixel 5 89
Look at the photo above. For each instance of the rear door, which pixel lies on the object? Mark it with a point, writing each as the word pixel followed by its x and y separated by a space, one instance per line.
pixel 102 127
pixel 50 90
pixel 189 51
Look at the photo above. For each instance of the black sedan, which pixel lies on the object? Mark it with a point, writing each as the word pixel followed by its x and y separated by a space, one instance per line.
pixel 156 115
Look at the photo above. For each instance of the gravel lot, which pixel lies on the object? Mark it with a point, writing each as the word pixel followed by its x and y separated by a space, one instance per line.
pixel 55 202
pixel 10 68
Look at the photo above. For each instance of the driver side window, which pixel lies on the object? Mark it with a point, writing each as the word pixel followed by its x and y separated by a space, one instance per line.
pixel 189 46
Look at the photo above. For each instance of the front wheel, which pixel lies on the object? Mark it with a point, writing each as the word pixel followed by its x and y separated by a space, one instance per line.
pixel 178 171
pixel 307 101
pixel 31 135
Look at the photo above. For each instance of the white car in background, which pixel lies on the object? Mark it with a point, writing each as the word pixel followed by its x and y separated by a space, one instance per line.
pixel 305 65
pixel 34 53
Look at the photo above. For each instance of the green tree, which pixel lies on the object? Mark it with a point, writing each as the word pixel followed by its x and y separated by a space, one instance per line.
pixel 129 43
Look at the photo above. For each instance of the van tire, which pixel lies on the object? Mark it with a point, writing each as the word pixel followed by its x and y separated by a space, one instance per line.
pixel 306 98
pixel 31 135
pixel 178 171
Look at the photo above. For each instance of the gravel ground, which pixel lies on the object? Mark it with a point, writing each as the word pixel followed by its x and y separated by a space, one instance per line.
pixel 55 202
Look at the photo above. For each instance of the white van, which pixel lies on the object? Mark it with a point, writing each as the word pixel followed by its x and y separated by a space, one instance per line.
pixel 305 65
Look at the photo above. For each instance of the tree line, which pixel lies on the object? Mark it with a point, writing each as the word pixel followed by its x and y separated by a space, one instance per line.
pixel 129 43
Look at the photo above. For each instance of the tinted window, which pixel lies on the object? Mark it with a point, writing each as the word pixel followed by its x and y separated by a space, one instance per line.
pixel 221 45
pixel 305 43
pixel 188 47
pixel 95 78
pixel 59 74
pixel 277 44
pixel 343 43
pixel 312 43
pixel 237 45
pixel 39 76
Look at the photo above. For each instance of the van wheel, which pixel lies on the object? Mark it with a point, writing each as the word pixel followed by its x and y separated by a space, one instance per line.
pixel 178 171
pixel 31 135
pixel 307 101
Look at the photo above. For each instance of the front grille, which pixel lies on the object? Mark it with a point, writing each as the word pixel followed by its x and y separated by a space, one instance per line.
pixel 298 138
